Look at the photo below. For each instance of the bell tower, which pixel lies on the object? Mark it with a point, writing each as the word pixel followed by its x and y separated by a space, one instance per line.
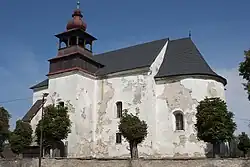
pixel 75 48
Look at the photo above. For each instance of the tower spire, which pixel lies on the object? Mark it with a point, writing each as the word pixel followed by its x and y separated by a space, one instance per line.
pixel 78 5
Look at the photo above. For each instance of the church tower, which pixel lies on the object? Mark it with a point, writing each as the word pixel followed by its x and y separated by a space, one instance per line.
pixel 75 48
pixel 71 79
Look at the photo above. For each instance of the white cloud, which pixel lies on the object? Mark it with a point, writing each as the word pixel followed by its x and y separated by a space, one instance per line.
pixel 237 99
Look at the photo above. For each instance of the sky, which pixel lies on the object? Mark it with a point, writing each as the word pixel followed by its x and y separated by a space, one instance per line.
pixel 220 29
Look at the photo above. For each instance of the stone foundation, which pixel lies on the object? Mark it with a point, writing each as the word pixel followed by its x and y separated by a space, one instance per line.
pixel 127 163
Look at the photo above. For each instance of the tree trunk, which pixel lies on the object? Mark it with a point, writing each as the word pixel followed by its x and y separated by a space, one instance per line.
pixel 134 151
pixel 216 150
pixel 130 149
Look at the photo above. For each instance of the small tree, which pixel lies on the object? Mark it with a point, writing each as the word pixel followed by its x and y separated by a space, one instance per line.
pixel 56 125
pixel 214 122
pixel 134 130
pixel 4 127
pixel 244 143
pixel 21 137
pixel 244 70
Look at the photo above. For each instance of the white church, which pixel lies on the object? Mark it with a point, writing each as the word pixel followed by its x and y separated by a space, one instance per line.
pixel 162 80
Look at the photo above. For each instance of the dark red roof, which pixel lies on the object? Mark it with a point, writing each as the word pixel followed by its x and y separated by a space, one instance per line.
pixel 76 21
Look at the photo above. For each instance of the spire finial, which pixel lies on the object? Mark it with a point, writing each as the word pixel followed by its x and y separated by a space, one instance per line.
pixel 78 5
pixel 189 34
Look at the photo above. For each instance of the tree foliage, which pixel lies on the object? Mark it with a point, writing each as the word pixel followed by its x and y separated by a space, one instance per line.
pixel 4 126
pixel 56 125
pixel 21 137
pixel 214 122
pixel 244 143
pixel 134 131
pixel 244 70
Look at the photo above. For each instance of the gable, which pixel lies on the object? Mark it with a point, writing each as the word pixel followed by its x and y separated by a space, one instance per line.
pixel 183 58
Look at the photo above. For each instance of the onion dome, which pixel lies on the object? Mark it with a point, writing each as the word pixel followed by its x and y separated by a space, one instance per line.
pixel 76 21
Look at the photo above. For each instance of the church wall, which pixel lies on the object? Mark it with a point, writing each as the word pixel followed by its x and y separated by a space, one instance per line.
pixel 33 124
pixel 93 111
pixel 38 93
pixel 182 95
pixel 137 94
pixel 77 92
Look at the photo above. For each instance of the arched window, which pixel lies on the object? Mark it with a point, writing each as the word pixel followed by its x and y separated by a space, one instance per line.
pixel 119 109
pixel 179 122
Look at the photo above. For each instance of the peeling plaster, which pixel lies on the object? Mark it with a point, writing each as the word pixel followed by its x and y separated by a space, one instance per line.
pixel 177 96
pixel 83 113
pixel 211 88
pixel 189 117
pixel 193 138
pixel 92 110
pixel 183 95
pixel 70 107
pixel 137 110
pixel 108 95
pixel 137 95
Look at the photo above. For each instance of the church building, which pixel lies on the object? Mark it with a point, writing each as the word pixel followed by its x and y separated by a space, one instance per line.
pixel 161 80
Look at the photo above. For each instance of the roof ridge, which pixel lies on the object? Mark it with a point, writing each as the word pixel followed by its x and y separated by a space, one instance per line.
pixel 177 39
pixel 143 43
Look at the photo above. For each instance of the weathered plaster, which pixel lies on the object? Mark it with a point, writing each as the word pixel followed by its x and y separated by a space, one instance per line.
pixel 92 110
pixel 182 95
pixel 38 93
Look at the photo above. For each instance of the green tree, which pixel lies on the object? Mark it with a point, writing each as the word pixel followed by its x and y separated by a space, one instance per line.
pixel 134 130
pixel 4 127
pixel 214 122
pixel 244 143
pixel 56 125
pixel 21 137
pixel 244 70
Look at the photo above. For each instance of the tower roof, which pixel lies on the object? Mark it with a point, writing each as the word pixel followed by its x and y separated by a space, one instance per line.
pixel 77 21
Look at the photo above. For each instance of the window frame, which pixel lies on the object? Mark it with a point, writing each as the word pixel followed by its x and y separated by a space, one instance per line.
pixel 118 109
pixel 179 121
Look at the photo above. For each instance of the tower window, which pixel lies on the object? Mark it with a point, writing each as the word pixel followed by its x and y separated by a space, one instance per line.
pixel 118 138
pixel 119 109
pixel 179 122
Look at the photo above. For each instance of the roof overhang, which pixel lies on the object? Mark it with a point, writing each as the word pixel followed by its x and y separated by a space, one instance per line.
pixel 195 75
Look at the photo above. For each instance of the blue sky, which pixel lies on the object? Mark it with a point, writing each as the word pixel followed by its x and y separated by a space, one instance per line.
pixel 220 30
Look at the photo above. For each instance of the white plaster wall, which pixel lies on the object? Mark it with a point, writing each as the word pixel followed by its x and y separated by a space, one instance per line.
pixel 92 110
pixel 33 124
pixel 137 94
pixel 204 87
pixel 182 95
pixel 77 91
pixel 38 93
